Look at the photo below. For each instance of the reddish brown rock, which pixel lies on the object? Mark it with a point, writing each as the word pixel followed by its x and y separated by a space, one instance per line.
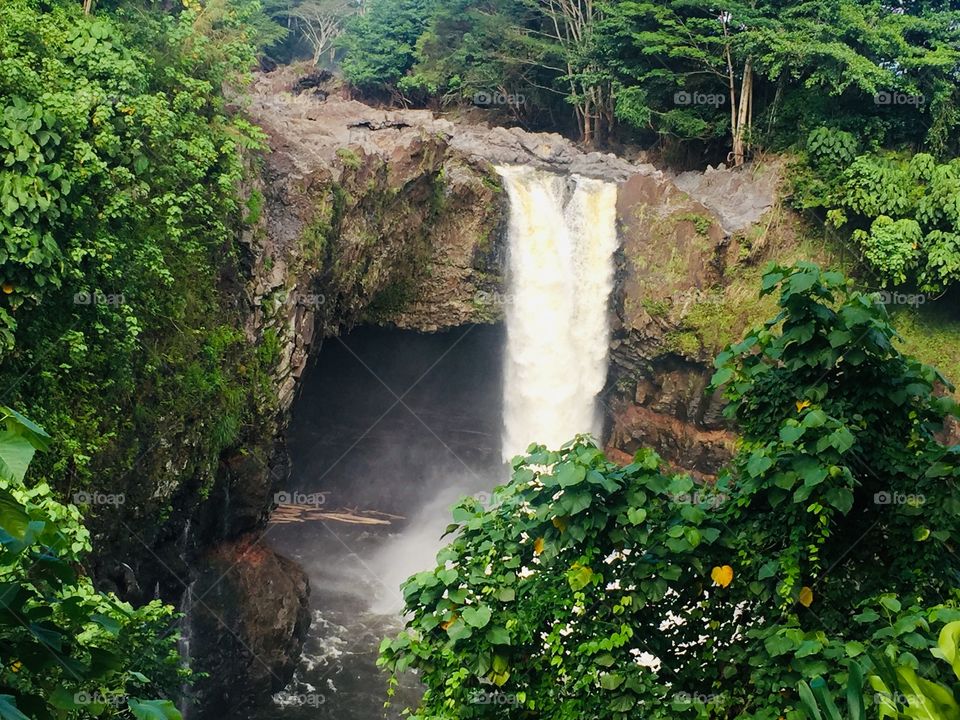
pixel 247 617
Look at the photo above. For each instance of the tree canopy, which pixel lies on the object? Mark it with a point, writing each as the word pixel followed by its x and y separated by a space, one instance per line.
pixel 784 63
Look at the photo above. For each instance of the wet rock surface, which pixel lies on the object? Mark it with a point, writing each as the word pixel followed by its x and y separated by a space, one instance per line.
pixel 673 250
pixel 419 241
pixel 665 406
pixel 247 620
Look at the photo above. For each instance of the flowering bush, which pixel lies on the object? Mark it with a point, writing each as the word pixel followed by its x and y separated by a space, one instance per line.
pixel 591 590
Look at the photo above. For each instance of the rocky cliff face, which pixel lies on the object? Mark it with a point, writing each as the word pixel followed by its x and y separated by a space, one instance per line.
pixel 675 305
pixel 392 217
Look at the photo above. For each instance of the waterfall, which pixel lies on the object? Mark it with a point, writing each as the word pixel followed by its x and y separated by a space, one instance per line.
pixel 562 239
pixel 186 659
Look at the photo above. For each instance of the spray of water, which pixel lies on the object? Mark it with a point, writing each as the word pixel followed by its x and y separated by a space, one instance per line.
pixel 561 270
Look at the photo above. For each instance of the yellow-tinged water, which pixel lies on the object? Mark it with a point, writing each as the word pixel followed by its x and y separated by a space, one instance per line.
pixel 562 239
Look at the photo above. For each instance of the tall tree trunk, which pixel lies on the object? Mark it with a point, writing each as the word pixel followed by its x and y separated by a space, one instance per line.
pixel 587 122
pixel 750 111
pixel 572 23
pixel 732 91
pixel 741 114
pixel 608 111
pixel 774 107
pixel 599 121
pixel 88 6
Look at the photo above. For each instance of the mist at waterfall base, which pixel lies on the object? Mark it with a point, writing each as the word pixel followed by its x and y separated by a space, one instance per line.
pixel 477 396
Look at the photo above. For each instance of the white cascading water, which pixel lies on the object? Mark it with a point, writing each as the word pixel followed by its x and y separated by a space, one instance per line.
pixel 562 239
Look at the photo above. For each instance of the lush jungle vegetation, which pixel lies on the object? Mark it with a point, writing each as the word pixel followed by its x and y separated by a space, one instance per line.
pixel 119 192
pixel 818 577
pixel 119 329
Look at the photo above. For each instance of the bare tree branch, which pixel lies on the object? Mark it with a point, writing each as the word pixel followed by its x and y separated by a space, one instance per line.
pixel 321 21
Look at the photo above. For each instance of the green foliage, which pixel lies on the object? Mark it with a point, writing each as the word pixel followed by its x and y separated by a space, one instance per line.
pixel 101 147
pixel 349 158
pixel 67 649
pixel 691 38
pixel 891 246
pixel 593 590
pixel 525 57
pixel 903 688
pixel 467 48
pixel 811 62
pixel 818 701
pixel 701 223
pixel 119 200
pixel 901 693
pixel 903 211
pixel 831 150
pixel 632 107
pixel 379 45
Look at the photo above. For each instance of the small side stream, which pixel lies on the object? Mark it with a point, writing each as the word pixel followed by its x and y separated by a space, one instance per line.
pixel 390 428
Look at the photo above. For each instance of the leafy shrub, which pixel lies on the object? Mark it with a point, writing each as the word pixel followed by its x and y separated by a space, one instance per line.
pixel 831 149
pixel 903 211
pixel 900 690
pixel 67 649
pixel 110 161
pixel 592 590
pixel 891 246
pixel 818 701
